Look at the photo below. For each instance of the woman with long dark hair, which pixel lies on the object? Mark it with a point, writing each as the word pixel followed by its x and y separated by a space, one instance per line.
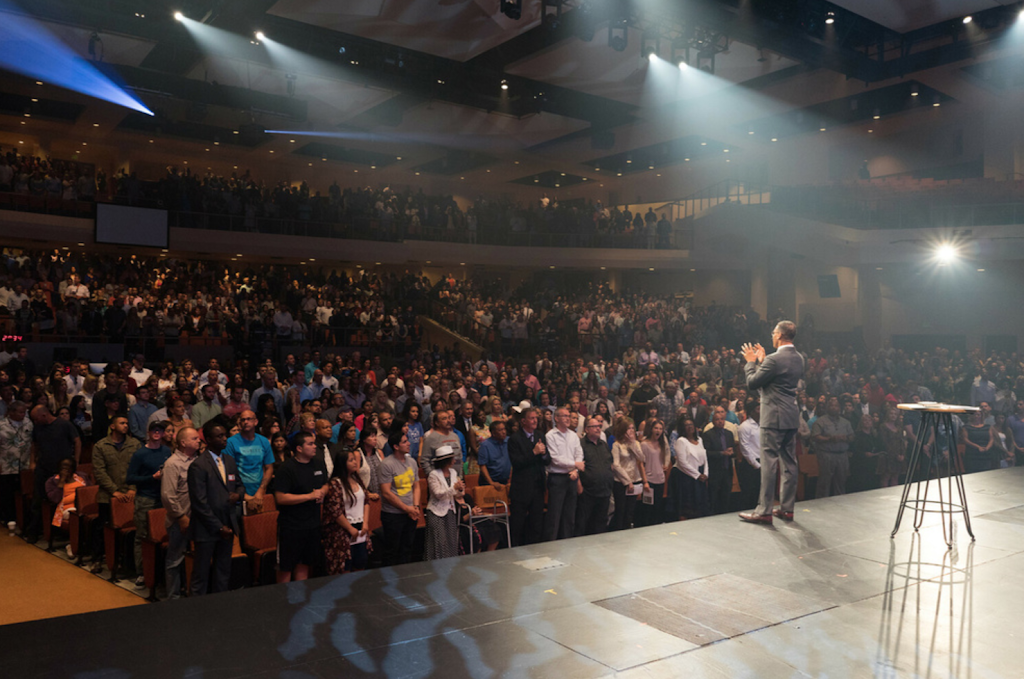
pixel 657 462
pixel 345 519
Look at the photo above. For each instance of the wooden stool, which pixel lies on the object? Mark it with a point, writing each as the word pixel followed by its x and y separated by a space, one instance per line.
pixel 933 417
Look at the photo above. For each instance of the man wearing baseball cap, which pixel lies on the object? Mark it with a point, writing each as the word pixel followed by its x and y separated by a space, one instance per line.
pixel 144 472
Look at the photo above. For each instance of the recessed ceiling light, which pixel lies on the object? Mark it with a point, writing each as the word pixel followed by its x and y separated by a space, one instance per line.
pixel 34 99
pixel 400 157
pixel 651 269
pixel 878 268
pixel 291 141
pixel 981 270
pixel 692 270
pixel 81 245
pixel 725 150
pixel 603 268
pixel 775 138
pixel 39 82
pixel 703 143
pixel 95 124
pixel 686 159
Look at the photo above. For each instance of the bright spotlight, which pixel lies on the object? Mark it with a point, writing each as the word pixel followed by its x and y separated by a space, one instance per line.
pixel 945 253
pixel 968 19
pixel 830 18
pixel 504 84
pixel 260 36
pixel 178 16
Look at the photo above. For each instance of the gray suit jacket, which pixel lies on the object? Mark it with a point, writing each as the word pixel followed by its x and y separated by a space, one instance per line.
pixel 777 377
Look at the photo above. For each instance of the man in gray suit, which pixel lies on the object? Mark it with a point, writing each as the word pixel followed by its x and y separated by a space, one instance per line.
pixel 777 377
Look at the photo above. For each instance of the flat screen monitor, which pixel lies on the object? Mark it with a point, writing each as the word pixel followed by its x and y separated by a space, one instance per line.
pixel 126 225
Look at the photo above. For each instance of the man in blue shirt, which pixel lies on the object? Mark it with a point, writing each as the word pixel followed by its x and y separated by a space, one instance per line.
pixel 495 465
pixel 254 457
pixel 138 415
pixel 145 470
pixel 269 386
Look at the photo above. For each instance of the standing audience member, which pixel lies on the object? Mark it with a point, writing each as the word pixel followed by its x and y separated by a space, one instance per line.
pixel 630 480
pixel 345 519
pixel 720 447
pixel 175 499
pixel 978 442
pixel 528 456
pixel 493 457
pixel 400 491
pixel 563 471
pixel 691 468
pixel 748 462
pixel 445 490
pixel 111 456
pixel 299 490
pixel 138 414
pixel 595 482
pixel 54 439
pixel 254 458
pixel 831 436
pixel 657 464
pixel 144 472
pixel 214 491
pixel 15 455
pixel 892 448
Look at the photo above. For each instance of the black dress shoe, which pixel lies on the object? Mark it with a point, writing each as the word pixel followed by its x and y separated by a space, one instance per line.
pixel 785 516
pixel 750 517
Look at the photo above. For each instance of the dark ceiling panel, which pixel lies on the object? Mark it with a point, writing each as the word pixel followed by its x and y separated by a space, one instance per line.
pixel 552 179
pixel 343 154
pixel 871 105
pixel 662 154
pixel 456 162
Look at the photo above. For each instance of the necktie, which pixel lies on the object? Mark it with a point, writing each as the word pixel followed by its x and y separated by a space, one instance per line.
pixel 220 468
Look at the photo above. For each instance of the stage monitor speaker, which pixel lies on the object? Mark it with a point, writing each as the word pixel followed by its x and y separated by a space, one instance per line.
pixel 828 286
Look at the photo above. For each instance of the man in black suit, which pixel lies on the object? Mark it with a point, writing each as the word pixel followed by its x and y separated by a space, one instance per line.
pixel 214 490
pixel 720 446
pixel 464 424
pixel 778 377
pixel 529 458
pixel 697 410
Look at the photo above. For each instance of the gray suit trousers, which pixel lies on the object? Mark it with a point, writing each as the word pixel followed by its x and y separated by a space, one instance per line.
pixel 777 444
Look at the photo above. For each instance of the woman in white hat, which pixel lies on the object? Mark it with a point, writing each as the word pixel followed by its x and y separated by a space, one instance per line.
pixel 442 519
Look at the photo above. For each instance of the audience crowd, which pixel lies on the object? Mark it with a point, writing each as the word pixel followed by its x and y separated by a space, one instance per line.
pixel 636 416
pixel 388 213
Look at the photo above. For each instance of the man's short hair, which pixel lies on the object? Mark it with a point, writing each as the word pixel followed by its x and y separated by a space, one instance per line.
pixel 494 426
pixel 299 439
pixel 787 330
pixel 750 406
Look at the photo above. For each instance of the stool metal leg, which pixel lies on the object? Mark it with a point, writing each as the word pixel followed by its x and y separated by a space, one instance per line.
pixel 915 454
pixel 957 466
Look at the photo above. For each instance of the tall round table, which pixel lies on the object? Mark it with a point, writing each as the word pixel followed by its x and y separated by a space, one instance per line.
pixel 934 418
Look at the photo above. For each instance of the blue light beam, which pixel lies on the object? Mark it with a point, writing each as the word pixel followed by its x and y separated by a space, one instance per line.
pixel 31 50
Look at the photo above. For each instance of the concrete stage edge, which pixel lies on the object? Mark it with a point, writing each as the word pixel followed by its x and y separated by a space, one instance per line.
pixel 829 595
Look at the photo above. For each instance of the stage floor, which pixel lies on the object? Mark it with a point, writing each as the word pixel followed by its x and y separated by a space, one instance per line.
pixel 829 595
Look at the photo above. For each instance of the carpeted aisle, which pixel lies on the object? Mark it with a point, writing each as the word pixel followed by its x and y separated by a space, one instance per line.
pixel 37 585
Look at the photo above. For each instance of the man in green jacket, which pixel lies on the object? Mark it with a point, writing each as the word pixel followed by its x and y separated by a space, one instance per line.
pixel 111 456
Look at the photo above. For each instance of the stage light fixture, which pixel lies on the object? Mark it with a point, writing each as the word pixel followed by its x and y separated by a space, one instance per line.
pixel 504 85
pixel 945 253
pixel 260 36
pixel 178 16
pixel 936 102
pixel 968 19
pixel 830 18
pixel 513 9
pixel 877 114
pixel 914 91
